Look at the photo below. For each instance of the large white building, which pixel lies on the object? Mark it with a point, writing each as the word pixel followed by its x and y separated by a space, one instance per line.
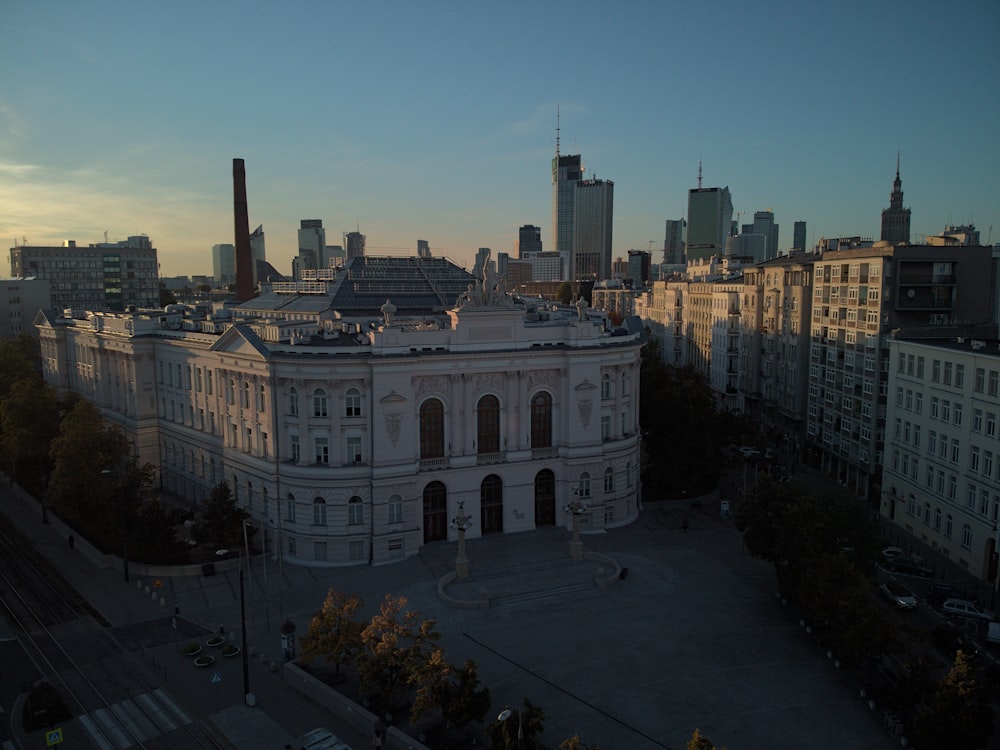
pixel 941 480
pixel 357 440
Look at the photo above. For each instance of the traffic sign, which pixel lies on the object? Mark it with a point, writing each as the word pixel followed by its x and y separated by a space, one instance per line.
pixel 53 737
pixel 216 677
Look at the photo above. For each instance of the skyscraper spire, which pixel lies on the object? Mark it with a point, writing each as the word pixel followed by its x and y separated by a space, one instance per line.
pixel 699 174
pixel 897 165
pixel 557 131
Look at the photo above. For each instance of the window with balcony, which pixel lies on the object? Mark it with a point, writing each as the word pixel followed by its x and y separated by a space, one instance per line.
pixel 431 429
pixel 488 425
pixel 541 420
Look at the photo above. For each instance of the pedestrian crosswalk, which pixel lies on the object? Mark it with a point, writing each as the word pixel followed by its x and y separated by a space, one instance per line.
pixel 132 722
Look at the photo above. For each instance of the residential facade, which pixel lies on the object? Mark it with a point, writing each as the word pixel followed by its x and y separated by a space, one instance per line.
pixel 20 301
pixel 941 480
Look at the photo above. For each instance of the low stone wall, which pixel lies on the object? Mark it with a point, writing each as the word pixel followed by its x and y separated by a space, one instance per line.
pixel 344 708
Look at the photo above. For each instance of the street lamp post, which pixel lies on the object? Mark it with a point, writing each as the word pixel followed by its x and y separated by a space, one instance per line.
pixel 461 522
pixel 577 509
pixel 506 714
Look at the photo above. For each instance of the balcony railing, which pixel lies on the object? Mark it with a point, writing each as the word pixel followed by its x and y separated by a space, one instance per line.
pixel 496 457
pixel 547 452
pixel 427 464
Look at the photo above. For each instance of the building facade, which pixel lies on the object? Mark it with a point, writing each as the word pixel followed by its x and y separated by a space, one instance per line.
pixel 566 172
pixel 941 480
pixel 357 441
pixel 859 296
pixel 103 276
pixel 673 241
pixel 896 218
pixel 20 301
pixel 592 230
pixel 710 215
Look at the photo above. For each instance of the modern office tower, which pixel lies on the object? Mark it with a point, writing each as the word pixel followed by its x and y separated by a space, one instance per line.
pixel 257 251
pixel 549 265
pixel 592 228
pixel 763 223
pixel 312 239
pixel 638 267
pixel 774 349
pixel 710 216
pixel 520 272
pixel 355 244
pixel 859 297
pixel 363 434
pixel 224 263
pixel 423 249
pixel 102 276
pixel 966 234
pixel 567 171
pixel 750 247
pixel 20 301
pixel 799 236
pixel 529 240
pixel 673 241
pixel 940 481
pixel 482 258
pixel 502 260
pixel 896 219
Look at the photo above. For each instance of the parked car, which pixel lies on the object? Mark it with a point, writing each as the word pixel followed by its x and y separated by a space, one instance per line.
pixel 950 639
pixel 908 566
pixel 939 592
pixel 898 594
pixel 964 608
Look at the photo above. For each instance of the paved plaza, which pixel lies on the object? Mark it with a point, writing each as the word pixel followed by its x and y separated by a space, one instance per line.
pixel 691 636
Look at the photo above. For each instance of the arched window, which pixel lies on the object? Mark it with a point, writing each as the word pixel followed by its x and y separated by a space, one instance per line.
pixel 609 480
pixel 355 511
pixel 290 508
pixel 352 403
pixel 245 395
pixel 431 429
pixel 488 425
pixel 605 386
pixel 937 519
pixel 541 420
pixel 491 504
pixel 319 403
pixel 584 486
pixel 319 511
pixel 261 399
pixel 293 402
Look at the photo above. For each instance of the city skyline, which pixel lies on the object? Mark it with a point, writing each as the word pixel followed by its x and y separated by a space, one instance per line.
pixel 440 123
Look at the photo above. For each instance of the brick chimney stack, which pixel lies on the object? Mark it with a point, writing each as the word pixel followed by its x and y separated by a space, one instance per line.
pixel 241 218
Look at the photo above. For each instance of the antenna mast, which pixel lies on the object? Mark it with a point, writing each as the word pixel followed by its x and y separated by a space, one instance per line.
pixel 699 174
pixel 557 131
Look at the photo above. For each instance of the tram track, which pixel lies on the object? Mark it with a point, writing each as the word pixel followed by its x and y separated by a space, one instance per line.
pixel 117 701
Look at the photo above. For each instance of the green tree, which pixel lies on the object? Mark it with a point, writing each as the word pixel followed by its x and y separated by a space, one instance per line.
pixel 958 713
pixel 19 360
pixel 29 422
pixel 395 645
pixel 167 297
pixel 464 700
pixel 334 633
pixel 565 293
pixel 222 520
pixel 521 730
pixel 155 535
pixel 575 743
pixel 700 742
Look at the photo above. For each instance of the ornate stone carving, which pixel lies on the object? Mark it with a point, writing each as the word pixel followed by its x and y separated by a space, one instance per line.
pixel 490 381
pixel 542 377
pixel 583 406
pixel 393 424
pixel 430 384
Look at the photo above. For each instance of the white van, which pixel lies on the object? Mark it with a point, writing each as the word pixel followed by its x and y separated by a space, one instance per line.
pixel 964 608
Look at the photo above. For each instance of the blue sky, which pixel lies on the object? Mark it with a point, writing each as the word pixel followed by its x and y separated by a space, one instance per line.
pixel 436 120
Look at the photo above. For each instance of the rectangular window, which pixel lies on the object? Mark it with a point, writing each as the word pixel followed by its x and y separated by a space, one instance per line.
pixel 974 458
pixel 934 407
pixel 918 405
pixel 395 510
pixel 991 424
pixel 909 399
pixel 959 376
pixel 605 427
pixel 322 452
pixel 980 384
pixel 356 550
pixel 945 410
pixel 994 383
pixel 319 551
pixel 920 367
pixel 294 449
pixel 977 420
pixel 936 371
pixel 208 382
pixel 988 463
pixel 354 450
pixel 947 373
pixel 957 414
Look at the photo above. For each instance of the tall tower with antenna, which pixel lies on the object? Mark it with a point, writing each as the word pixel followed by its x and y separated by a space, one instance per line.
pixel 566 172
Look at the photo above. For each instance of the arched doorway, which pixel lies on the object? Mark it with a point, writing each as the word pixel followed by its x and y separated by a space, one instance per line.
pixel 491 504
pixel 545 498
pixel 435 512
